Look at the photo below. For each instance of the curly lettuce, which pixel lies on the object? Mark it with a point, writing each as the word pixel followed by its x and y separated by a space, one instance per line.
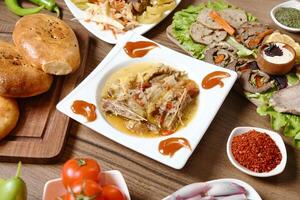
pixel 183 20
pixel 288 122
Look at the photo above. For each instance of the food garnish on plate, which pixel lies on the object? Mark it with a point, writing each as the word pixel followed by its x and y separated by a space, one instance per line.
pixel 170 146
pixel 139 48
pixel 227 36
pixel 120 16
pixel 152 99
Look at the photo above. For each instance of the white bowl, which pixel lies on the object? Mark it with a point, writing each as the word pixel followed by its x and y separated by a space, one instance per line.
pixel 287 4
pixel 54 188
pixel 275 137
pixel 250 191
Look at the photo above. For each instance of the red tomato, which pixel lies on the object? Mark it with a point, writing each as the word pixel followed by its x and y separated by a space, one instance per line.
pixel 67 196
pixel 80 169
pixel 111 192
pixel 87 189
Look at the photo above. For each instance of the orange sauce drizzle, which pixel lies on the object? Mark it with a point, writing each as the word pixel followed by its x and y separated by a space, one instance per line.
pixel 85 109
pixel 170 146
pixel 139 49
pixel 213 79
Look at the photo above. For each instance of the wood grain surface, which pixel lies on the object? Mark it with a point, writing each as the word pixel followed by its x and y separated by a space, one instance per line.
pixel 147 179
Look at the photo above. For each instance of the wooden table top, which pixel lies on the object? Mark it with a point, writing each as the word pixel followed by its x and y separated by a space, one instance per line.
pixel 146 178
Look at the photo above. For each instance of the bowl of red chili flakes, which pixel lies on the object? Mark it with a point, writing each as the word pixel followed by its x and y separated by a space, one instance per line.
pixel 256 151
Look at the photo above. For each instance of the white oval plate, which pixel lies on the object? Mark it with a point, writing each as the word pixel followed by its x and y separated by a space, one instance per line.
pixel 287 4
pixel 55 188
pixel 275 137
pixel 108 36
pixel 209 100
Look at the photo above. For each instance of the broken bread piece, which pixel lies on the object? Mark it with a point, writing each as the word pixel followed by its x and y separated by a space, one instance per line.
pixel 17 77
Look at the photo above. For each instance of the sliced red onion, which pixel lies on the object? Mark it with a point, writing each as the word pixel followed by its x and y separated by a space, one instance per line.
pixel 232 197
pixel 189 191
pixel 208 198
pixel 197 197
pixel 224 189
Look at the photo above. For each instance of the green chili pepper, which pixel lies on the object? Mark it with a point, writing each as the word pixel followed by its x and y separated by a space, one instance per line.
pixel 13 188
pixel 49 5
pixel 14 7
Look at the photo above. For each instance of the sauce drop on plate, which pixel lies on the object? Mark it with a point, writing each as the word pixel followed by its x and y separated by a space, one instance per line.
pixel 170 146
pixel 139 49
pixel 213 79
pixel 85 109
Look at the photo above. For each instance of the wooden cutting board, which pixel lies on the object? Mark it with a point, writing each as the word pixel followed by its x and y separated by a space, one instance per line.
pixel 42 130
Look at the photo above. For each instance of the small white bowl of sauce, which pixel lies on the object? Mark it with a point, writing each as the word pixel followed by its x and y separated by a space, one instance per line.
pixel 288 4
pixel 237 135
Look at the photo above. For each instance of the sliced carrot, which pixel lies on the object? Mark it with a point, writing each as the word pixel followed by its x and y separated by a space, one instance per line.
pixel 258 81
pixel 222 22
pixel 219 58
pixel 255 41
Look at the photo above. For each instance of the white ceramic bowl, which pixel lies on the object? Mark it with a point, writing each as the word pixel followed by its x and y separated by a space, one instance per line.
pixel 287 4
pixel 54 188
pixel 275 137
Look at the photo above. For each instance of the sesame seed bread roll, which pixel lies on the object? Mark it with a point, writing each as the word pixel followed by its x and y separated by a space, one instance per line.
pixel 47 43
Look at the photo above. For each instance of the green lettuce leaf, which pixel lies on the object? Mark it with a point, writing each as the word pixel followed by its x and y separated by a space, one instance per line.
pixel 241 50
pixel 290 123
pixel 262 97
pixel 292 78
pixel 250 17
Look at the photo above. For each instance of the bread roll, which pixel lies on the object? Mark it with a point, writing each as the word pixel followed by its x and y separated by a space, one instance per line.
pixel 9 115
pixel 47 43
pixel 17 78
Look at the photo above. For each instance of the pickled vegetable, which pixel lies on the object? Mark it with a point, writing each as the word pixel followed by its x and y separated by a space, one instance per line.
pixel 156 11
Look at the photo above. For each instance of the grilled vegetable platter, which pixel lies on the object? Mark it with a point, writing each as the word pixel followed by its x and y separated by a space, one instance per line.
pixel 267 61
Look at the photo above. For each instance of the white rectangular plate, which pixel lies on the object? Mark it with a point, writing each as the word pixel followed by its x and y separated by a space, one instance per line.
pixel 209 100
pixel 108 36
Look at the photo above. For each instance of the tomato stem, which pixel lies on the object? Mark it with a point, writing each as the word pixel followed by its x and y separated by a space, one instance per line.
pixel 81 162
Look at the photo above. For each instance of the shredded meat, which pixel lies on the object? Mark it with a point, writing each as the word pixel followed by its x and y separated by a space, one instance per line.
pixel 153 101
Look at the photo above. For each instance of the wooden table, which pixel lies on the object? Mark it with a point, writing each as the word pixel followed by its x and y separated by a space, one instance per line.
pixel 148 179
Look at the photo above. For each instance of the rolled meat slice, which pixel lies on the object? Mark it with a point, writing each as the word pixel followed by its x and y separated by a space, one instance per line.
pixel 201 34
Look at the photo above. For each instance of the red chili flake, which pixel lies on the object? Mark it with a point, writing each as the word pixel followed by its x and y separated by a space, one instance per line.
pixel 256 151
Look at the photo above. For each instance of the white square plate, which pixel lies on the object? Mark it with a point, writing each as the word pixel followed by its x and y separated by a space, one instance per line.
pixel 108 36
pixel 209 100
